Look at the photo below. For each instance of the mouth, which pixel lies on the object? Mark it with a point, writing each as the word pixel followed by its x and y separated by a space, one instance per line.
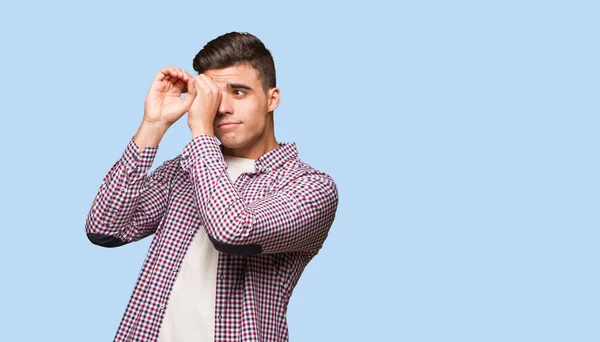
pixel 228 125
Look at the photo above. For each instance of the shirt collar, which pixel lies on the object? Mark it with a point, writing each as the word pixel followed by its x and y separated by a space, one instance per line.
pixel 274 158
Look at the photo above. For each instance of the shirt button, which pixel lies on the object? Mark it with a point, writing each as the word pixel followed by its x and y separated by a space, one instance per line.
pixel 175 269
pixel 191 231
pixel 123 188
pixel 219 317
pixel 221 277
pixel 162 307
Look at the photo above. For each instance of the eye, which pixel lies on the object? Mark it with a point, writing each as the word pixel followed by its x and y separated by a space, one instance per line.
pixel 239 92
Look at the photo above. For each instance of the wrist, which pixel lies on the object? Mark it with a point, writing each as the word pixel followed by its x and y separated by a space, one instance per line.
pixel 198 132
pixel 155 126
pixel 149 134
pixel 199 128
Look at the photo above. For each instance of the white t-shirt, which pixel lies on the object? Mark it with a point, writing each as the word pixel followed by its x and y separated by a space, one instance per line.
pixel 190 315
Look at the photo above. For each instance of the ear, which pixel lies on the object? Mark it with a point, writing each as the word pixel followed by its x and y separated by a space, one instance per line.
pixel 273 98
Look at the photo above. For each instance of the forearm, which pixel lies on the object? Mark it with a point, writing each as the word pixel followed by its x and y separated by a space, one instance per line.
pixel 295 217
pixel 130 204
pixel 149 135
pixel 113 211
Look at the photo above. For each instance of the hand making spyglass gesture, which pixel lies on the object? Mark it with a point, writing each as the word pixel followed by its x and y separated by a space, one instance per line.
pixel 164 104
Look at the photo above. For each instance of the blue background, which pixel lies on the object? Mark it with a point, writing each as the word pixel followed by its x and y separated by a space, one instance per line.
pixel 462 135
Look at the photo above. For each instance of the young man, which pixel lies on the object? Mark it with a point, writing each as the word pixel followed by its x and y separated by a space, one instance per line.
pixel 234 224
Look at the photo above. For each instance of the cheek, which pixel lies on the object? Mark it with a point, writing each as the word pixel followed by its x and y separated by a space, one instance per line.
pixel 256 125
pixel 255 115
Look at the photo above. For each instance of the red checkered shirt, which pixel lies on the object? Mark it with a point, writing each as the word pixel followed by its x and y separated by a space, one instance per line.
pixel 267 225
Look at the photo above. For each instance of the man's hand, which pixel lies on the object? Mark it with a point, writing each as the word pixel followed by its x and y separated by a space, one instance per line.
pixel 164 104
pixel 202 112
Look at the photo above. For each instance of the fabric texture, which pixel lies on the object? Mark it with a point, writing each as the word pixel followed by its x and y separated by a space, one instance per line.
pixel 267 225
pixel 190 313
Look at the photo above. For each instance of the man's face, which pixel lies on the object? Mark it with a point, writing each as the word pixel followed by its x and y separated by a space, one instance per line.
pixel 243 101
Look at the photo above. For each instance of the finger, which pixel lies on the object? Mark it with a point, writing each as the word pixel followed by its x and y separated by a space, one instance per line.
pixel 183 83
pixel 179 83
pixel 192 89
pixel 201 84
pixel 186 75
pixel 178 78
pixel 183 75
pixel 210 83
pixel 188 99
pixel 162 73
pixel 180 73
pixel 173 74
pixel 177 75
pixel 213 89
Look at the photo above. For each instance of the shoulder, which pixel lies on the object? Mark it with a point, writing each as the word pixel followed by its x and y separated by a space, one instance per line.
pixel 302 175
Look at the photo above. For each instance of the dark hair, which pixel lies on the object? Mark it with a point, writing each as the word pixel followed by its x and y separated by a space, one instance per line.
pixel 235 48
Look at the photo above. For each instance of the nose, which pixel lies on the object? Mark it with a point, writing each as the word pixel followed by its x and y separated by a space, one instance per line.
pixel 226 106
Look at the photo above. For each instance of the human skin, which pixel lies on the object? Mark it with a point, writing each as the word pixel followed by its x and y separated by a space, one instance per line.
pixel 232 94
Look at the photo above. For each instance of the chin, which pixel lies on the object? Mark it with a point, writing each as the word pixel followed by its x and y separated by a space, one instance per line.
pixel 231 142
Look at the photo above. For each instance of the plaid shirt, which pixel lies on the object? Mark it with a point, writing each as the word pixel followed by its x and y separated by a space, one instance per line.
pixel 267 225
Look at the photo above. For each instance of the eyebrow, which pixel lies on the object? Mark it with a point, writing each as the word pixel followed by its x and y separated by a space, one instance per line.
pixel 238 86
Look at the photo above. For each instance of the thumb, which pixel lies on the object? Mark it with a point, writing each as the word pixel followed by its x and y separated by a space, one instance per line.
pixel 189 97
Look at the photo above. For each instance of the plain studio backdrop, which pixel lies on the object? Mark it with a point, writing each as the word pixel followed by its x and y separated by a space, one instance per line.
pixel 462 135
